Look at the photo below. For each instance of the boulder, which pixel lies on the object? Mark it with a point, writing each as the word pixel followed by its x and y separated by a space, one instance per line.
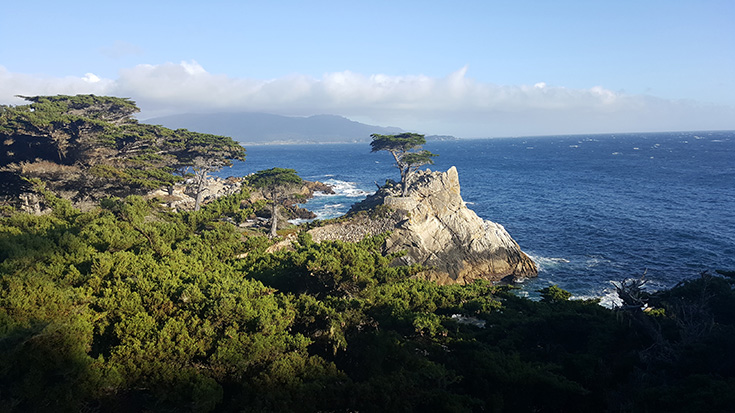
pixel 435 228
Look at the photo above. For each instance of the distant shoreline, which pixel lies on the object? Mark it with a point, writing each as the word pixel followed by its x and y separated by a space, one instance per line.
pixel 455 139
pixel 362 142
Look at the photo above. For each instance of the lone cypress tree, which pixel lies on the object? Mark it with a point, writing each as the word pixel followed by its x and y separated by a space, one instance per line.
pixel 277 184
pixel 404 148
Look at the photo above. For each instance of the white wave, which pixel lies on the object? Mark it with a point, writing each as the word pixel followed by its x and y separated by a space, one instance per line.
pixel 332 205
pixel 345 188
pixel 611 299
pixel 298 221
pixel 325 215
pixel 595 261
pixel 544 263
pixel 608 297
pixel 325 211
pixel 357 193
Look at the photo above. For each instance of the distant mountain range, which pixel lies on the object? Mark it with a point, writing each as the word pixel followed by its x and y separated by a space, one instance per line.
pixel 251 127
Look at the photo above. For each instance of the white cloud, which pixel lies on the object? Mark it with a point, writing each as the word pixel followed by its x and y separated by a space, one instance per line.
pixel 193 68
pixel 455 104
pixel 12 84
pixel 91 78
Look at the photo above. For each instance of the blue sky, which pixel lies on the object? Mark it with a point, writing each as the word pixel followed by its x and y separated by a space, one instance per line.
pixel 466 68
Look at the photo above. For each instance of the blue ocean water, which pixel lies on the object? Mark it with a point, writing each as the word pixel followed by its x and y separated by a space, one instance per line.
pixel 588 209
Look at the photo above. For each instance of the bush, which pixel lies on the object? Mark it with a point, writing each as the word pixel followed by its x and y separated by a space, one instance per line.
pixel 554 294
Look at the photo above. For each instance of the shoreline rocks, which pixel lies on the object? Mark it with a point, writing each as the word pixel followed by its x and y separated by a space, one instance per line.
pixel 436 229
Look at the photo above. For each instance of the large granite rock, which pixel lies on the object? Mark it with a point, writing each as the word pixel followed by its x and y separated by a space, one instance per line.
pixel 436 229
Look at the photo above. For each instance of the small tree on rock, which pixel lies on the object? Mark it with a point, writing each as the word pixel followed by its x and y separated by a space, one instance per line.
pixel 404 148
pixel 277 185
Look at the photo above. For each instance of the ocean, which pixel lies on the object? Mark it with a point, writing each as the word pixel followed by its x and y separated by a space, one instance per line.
pixel 589 209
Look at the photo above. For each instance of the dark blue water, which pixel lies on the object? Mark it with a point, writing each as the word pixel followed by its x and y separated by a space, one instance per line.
pixel 589 209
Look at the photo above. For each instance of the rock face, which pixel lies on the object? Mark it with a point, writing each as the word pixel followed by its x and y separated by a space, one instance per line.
pixel 436 229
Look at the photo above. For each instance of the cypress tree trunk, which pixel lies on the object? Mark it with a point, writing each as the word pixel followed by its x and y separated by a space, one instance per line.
pixel 405 175
pixel 200 178
pixel 198 201
pixel 274 219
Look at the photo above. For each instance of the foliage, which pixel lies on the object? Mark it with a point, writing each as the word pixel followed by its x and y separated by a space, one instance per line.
pixel 277 184
pixel 154 309
pixel 131 307
pixel 403 148
pixel 274 178
pixel 403 142
pixel 114 154
pixel 554 294
pixel 415 160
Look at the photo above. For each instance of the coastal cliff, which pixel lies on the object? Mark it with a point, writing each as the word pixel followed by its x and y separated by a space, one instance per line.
pixel 437 230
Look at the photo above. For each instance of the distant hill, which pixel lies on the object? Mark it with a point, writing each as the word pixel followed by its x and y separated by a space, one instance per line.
pixel 249 127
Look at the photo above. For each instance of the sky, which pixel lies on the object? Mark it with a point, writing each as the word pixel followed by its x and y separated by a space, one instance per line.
pixel 471 69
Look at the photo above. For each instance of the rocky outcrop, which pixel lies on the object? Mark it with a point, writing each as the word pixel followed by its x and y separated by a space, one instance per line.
pixel 436 229
pixel 181 197
pixel 357 227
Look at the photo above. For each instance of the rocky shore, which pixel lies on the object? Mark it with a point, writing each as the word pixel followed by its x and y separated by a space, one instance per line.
pixel 437 230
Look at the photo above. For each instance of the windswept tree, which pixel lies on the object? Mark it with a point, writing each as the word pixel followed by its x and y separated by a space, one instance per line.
pixel 277 185
pixel 204 154
pixel 405 149
pixel 90 147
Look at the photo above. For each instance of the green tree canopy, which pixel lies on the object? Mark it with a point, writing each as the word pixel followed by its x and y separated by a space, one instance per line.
pixel 554 294
pixel 277 184
pixel 404 148
pixel 418 159
pixel 92 146
pixel 403 142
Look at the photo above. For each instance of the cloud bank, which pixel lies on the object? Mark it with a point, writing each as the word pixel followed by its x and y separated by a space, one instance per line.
pixel 455 104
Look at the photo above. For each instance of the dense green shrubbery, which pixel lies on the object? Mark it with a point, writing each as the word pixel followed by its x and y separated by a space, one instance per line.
pixel 129 307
